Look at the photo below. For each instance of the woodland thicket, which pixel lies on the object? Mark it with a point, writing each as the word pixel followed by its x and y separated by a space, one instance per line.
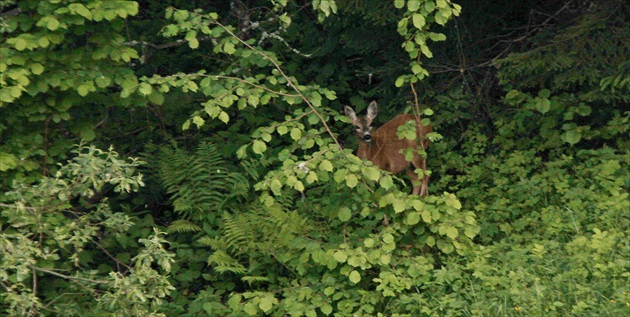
pixel 191 158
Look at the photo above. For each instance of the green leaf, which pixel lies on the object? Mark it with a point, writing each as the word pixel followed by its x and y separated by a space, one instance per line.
pixel 82 10
pixel 145 89
pixel 282 130
pixel 426 51
pixel 193 43
pixel 372 173
pixel 299 186
pixel 52 23
pixel 223 116
pixel 583 110
pixel 83 90
pixel 413 5
pixel 296 134
pixel 340 256
pixel 399 206
pixel 543 105
pixel 386 182
pixel 426 216
pixel 259 147
pixel 344 214
pixel 275 186
pixel 326 165
pixel 400 81
pixel 351 180
pixel 228 48
pixel 250 309
pixel 20 44
pixel 37 68
pixel 266 303
pixel 437 37
pixel 354 277
pixel 326 308
pixel 452 232
pixel 418 20
pixel 399 4
pixel 572 137
pixel 412 218
pixel 8 161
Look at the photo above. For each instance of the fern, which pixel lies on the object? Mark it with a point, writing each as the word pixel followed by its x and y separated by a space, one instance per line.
pixel 199 183
pixel 180 226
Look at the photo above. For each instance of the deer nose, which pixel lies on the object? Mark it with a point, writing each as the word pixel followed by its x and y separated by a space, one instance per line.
pixel 367 137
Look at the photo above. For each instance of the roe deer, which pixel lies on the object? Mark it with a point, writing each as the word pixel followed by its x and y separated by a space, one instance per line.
pixel 384 148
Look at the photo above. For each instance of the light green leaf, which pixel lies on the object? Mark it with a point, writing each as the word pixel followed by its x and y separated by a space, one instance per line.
pixel 351 180
pixel 20 44
pixel 52 23
pixel 413 5
pixel 372 173
pixel 266 303
pixel 386 182
pixel 344 214
pixel 418 20
pixel 399 206
pixel 354 277
pixel 426 51
pixel 400 81
pixel 326 308
pixel 369 242
pixel 543 105
pixel 299 186
pixel 340 256
pixel 250 309
pixel 259 147
pixel 326 165
pixel 81 10
pixel 275 186
pixel 193 43
pixel 8 161
pixel 296 134
pixel 399 4
pixel 452 232
pixel 412 218
pixel 37 68
pixel 228 48
pixel 83 90
pixel 145 89
pixel 223 116
pixel 426 216
pixel 282 130
pixel 572 137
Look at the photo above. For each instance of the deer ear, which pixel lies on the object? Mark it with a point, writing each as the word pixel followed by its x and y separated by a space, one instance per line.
pixel 372 110
pixel 350 113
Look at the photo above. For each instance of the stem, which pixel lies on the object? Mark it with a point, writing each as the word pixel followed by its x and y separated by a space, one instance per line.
pixel 289 81
pixel 68 277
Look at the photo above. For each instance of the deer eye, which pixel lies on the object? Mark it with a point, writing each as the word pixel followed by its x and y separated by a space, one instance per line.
pixel 357 127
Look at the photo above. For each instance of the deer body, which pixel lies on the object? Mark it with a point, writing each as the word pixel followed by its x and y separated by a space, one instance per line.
pixel 385 149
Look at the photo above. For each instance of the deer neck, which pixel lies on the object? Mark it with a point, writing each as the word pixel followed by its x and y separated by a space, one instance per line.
pixel 367 150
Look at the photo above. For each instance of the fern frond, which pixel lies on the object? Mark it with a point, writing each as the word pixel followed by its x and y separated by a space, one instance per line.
pixel 199 183
pixel 183 226
pixel 253 279
pixel 223 262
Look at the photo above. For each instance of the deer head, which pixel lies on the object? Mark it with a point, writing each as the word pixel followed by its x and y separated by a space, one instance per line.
pixel 385 149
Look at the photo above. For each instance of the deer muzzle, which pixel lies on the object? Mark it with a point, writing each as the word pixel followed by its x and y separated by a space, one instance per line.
pixel 367 137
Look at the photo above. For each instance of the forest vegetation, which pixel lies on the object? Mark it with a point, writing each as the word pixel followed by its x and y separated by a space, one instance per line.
pixel 192 158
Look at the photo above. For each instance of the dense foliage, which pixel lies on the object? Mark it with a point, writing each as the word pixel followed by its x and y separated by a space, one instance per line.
pixel 176 158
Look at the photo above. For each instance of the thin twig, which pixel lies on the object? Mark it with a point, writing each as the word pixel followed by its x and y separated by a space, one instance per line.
pixel 289 81
pixel 68 277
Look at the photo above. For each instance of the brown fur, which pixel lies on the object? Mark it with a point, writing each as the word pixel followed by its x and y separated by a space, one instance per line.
pixel 384 148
